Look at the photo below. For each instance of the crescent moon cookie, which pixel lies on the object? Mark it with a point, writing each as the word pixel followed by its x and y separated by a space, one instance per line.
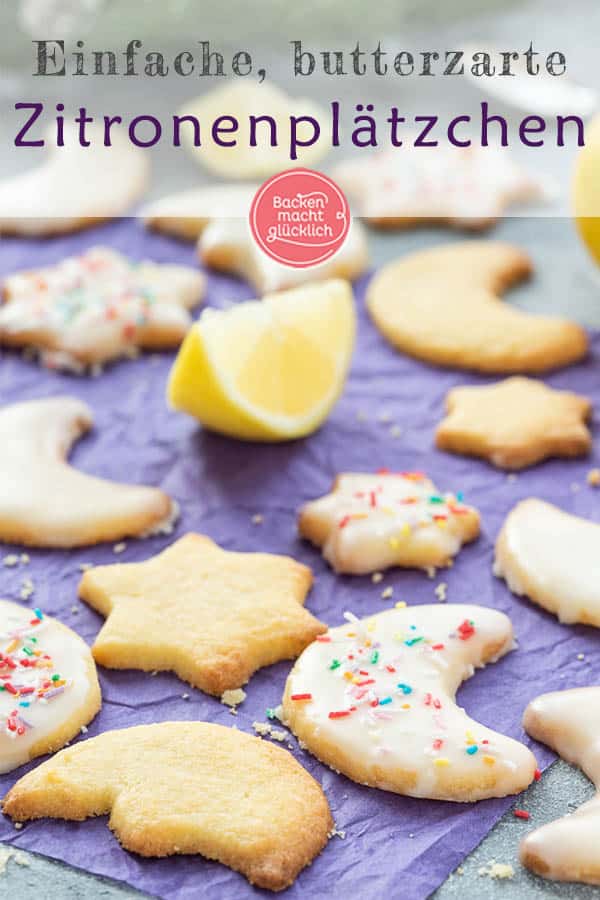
pixel 463 188
pixel 187 787
pixel 569 723
pixel 551 557
pixel 515 423
pixel 76 187
pixel 211 616
pixel 48 685
pixel 443 306
pixel 186 214
pixel 96 307
pixel 45 502
pixel 227 246
pixel 375 700
pixel 371 522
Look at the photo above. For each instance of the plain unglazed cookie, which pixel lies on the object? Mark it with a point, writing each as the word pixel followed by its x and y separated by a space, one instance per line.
pixel 515 423
pixel 242 99
pixel 371 522
pixel 49 685
pixel 461 187
pixel 227 245
pixel 211 616
pixel 186 214
pixel 75 187
pixel 443 306
pixel 187 787
pixel 569 723
pixel 45 502
pixel 89 309
pixel 375 700
pixel 551 557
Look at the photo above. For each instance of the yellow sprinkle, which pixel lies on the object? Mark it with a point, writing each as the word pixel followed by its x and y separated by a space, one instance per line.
pixel 371 626
pixel 406 706
pixel 441 523
pixel 350 634
pixel 441 762
pixel 401 604
pixel 470 738
pixel 12 646
pixel 394 543
pixel 368 642
pixel 405 529
pixel 348 676
pixel 489 760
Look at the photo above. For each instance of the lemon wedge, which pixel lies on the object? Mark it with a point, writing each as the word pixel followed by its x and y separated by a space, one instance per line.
pixel 586 189
pixel 270 369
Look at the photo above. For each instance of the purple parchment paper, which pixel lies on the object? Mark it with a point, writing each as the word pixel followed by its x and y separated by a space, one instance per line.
pixel 220 484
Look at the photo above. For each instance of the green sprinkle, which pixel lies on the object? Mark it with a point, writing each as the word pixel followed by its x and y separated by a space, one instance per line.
pixel 436 499
pixel 271 713
pixel 56 677
pixel 335 664
pixel 27 651
pixel 412 641
pixel 375 656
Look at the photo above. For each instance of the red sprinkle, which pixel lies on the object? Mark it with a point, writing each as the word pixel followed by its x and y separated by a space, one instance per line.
pixel 522 814
pixel 466 630
pixel 301 697
pixel 324 638
pixel 537 774
pixel 339 714
pixel 438 744
pixel 343 522
pixel 437 646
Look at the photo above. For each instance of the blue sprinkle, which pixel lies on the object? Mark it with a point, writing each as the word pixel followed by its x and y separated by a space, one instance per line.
pixel 385 701
pixel 24 703
pixel 472 749
pixel 405 688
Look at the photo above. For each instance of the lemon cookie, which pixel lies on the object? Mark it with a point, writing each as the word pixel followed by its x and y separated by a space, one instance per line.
pixel 211 616
pixel 551 557
pixel 187 787
pixel 45 502
pixel 569 723
pixel 443 306
pixel 371 522
pixel 515 423
pixel 49 686
pixel 375 700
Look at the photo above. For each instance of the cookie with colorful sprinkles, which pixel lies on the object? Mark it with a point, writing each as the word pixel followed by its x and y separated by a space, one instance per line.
pixel 96 307
pixel 187 787
pixel 48 685
pixel 375 700
pixel 371 522
pixel 210 615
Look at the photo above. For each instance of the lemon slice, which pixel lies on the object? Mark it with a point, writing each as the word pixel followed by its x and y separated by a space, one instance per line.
pixel 586 189
pixel 271 369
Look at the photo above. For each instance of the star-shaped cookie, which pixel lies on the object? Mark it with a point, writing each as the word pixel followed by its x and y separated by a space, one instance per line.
pixel 515 423
pixel 211 616
pixel 187 787
pixel 45 502
pixel 89 309
pixel 460 187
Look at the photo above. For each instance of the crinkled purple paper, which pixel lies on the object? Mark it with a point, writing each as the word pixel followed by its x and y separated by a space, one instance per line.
pixel 220 484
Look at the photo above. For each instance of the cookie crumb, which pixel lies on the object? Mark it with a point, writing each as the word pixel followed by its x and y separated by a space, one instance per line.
pixel 27 589
pixel 264 729
pixel 497 870
pixel 430 571
pixel 395 431
pixel 336 832
pixel 581 657
pixel 384 417
pixel 593 477
pixel 441 591
pixel 84 729
pixel 511 477
pixel 387 593
pixel 233 698
pixel 257 519
pixel 74 610
pixel 11 560
pixel 17 826
pixel 460 871
pixel 24 558
pixel 376 577
pixel 120 547
pixel 84 566
pixel 185 696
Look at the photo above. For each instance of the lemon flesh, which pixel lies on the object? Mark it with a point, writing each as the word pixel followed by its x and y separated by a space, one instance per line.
pixel 586 190
pixel 267 370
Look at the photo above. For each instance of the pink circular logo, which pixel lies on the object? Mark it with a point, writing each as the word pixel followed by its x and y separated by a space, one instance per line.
pixel 299 218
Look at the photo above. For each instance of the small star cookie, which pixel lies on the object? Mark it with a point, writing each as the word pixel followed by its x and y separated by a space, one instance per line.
pixel 187 787
pixel 465 188
pixel 515 423
pixel 371 522
pixel 96 307
pixel 211 616
pixel 76 187
pixel 375 700
pixel 443 306
pixel 49 684
pixel 551 557
pixel 569 723
pixel 227 246
pixel 45 502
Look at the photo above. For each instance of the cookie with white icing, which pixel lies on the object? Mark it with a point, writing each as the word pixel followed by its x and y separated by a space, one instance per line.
pixel 444 306
pixel 371 522
pixel 186 214
pixel 45 502
pixel 75 187
pixel 375 700
pixel 227 246
pixel 569 723
pixel 48 685
pixel 183 788
pixel 90 309
pixel 551 557
pixel 467 188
